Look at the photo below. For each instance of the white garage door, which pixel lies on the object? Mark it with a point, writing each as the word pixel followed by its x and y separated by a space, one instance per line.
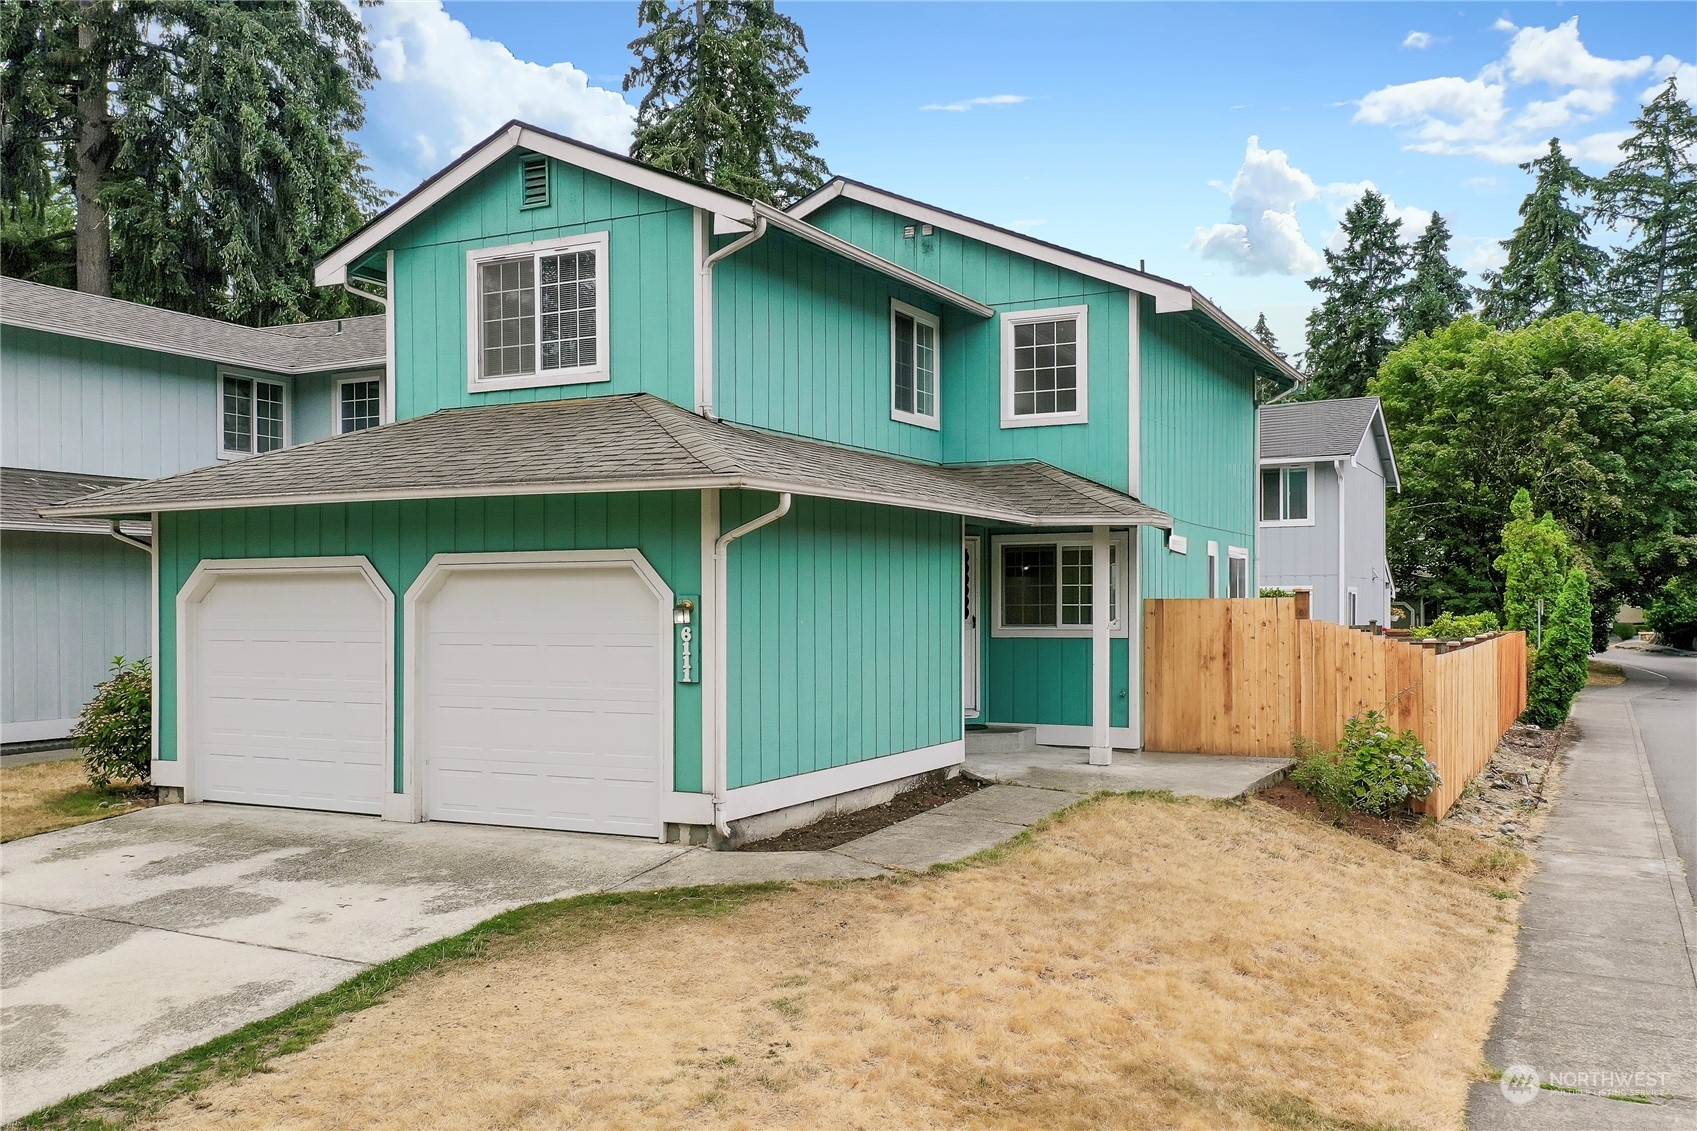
pixel 541 698
pixel 289 697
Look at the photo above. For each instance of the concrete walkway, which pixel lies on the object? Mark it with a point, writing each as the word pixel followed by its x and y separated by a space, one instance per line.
pixel 130 939
pixel 1604 997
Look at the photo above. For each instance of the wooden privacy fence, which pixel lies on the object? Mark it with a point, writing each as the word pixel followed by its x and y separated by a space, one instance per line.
pixel 1245 676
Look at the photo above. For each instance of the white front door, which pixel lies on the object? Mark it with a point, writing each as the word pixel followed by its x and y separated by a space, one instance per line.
pixel 287 699
pixel 540 697
pixel 969 638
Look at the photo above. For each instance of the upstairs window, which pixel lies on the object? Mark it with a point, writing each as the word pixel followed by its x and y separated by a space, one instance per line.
pixel 913 366
pixel 251 420
pixel 1044 372
pixel 540 314
pixel 1287 495
pixel 1046 585
pixel 359 404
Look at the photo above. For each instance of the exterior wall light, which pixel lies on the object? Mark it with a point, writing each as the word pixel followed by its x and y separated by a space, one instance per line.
pixel 683 612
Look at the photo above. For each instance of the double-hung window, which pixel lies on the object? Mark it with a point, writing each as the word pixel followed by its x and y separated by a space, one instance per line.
pixel 1045 585
pixel 539 313
pixel 913 366
pixel 359 404
pixel 251 417
pixel 1287 495
pixel 1044 371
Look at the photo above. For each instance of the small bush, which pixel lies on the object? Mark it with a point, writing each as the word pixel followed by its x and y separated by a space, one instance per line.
pixel 114 731
pixel 1562 665
pixel 1673 612
pixel 1273 592
pixel 1375 770
pixel 1456 626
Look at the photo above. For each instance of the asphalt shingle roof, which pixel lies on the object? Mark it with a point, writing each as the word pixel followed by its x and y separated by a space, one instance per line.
pixel 24 492
pixel 1318 429
pixel 628 442
pixel 308 347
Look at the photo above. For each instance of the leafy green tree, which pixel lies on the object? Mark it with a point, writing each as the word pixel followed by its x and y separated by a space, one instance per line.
pixel 1349 332
pixel 722 99
pixel 1653 191
pixel 1560 667
pixel 1551 269
pixel 1673 612
pixel 1602 419
pixel 206 146
pixel 1435 295
pixel 1536 556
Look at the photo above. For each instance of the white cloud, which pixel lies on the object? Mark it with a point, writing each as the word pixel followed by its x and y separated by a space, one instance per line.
pixel 966 104
pixel 444 89
pixel 1545 81
pixel 1482 182
pixel 1487 255
pixel 1685 74
pixel 1419 40
pixel 1264 236
pixel 1505 24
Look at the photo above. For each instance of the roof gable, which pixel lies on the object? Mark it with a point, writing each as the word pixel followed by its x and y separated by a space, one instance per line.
pixel 1331 429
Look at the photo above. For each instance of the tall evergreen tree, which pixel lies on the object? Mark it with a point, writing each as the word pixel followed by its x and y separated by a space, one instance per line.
pixel 206 147
pixel 1349 333
pixel 1264 334
pixel 1654 192
pixel 1551 269
pixel 1435 295
pixel 722 99
pixel 1266 388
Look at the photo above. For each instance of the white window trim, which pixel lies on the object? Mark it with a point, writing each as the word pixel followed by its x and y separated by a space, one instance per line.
pixel 1239 554
pixel 1122 576
pixel 541 378
pixel 288 411
pixel 1013 318
pixel 1213 570
pixel 352 379
pixel 1281 468
pixel 933 422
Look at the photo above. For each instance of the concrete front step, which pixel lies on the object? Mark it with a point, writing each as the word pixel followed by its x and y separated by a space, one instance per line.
pixel 999 738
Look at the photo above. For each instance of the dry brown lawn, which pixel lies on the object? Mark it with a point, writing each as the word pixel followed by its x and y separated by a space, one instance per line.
pixel 1138 963
pixel 54 795
pixel 1601 673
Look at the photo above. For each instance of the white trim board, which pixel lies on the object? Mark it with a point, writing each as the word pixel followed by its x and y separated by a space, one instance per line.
pixel 1057 734
pixel 39 731
pixel 767 797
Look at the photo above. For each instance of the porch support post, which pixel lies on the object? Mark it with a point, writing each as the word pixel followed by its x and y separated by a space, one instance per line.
pixel 1101 739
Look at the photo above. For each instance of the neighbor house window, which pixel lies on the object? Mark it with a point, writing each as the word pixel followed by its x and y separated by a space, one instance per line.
pixel 1237 571
pixel 359 404
pixel 1044 367
pixel 539 314
pixel 913 365
pixel 1287 494
pixel 251 416
pixel 1045 587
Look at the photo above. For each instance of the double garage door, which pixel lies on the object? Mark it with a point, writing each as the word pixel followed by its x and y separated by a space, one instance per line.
pixel 534 693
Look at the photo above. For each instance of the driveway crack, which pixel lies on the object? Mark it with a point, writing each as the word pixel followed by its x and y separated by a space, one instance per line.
pixel 187 934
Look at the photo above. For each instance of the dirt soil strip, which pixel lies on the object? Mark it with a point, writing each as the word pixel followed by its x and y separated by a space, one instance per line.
pixel 840 828
pixel 1139 962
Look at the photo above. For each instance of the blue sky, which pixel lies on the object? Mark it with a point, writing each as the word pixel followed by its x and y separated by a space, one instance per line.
pixel 1124 130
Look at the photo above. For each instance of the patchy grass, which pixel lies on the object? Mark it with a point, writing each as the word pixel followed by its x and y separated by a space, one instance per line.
pixel 1601 673
pixel 44 796
pixel 1133 962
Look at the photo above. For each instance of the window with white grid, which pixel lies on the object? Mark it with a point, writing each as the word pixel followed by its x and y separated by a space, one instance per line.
pixel 359 404
pixel 539 313
pixel 251 420
pixel 1046 585
pixel 1044 367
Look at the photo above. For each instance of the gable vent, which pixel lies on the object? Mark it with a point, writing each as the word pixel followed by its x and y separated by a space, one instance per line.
pixel 535 182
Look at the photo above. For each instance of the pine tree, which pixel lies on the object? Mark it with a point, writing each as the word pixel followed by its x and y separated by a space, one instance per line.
pixel 1536 556
pixel 1264 334
pixel 1654 191
pixel 206 147
pixel 1560 667
pixel 1551 269
pixel 1435 295
pixel 1349 333
pixel 722 99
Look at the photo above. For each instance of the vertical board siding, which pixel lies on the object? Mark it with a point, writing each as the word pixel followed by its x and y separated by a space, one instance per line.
pixel 1365 567
pixel 1246 677
pixel 845 635
pixel 69 603
pixel 400 538
pixel 1198 450
pixel 1293 556
pixel 650 302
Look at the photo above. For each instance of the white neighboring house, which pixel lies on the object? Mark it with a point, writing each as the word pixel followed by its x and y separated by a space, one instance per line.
pixel 1325 468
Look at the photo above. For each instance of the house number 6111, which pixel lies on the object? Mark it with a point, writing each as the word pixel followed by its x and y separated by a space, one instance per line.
pixel 686 654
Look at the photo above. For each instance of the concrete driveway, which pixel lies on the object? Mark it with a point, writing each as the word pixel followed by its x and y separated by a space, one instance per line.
pixel 127 940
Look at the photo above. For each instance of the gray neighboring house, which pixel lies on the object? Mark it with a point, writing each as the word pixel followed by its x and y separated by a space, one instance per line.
pixel 95 392
pixel 1325 468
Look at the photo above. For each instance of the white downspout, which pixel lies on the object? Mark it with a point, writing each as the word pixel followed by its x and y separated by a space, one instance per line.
pixel 1343 581
pixel 721 652
pixel 388 333
pixel 705 391
pixel 152 549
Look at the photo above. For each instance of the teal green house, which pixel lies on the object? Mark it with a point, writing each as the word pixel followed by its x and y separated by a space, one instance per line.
pixel 692 518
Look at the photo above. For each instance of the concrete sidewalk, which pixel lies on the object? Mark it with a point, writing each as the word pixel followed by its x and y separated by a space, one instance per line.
pixel 1604 997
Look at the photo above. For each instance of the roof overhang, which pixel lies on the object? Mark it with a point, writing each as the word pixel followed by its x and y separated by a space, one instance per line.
pixel 1380 429
pixel 71 526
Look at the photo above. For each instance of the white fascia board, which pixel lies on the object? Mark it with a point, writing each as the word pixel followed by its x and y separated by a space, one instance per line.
pixel 333 269
pixel 820 238
pixel 134 529
pixel 1283 367
pixel 1379 422
pixel 1169 297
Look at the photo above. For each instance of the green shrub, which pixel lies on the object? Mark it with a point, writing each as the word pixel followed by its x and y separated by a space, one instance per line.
pixel 1562 664
pixel 1457 626
pixel 1272 592
pixel 1536 556
pixel 1375 770
pixel 1673 612
pixel 114 731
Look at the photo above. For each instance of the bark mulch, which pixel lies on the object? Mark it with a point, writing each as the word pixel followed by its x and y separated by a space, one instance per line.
pixel 840 828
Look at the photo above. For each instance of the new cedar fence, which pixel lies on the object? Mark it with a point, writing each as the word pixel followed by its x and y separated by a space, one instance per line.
pixel 1245 676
